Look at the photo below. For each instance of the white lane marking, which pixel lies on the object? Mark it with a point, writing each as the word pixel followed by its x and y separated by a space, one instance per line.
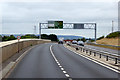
pixel 60 66
pixel 95 61
pixel 62 69
pixel 64 72
pixel 58 63
pixel 70 78
pixel 56 60
pixel 67 75
pixel 19 58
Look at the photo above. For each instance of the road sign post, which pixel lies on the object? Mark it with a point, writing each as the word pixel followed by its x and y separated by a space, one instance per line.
pixel 39 30
pixel 95 32
pixel 18 38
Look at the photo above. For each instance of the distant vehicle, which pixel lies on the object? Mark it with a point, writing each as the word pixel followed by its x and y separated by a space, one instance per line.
pixel 81 43
pixel 60 42
pixel 68 42
pixel 87 41
pixel 74 42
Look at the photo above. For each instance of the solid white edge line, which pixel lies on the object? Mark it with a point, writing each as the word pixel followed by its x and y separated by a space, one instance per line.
pixel 95 61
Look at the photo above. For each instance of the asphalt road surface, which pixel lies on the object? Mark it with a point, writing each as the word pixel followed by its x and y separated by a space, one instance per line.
pixel 39 63
pixel 103 49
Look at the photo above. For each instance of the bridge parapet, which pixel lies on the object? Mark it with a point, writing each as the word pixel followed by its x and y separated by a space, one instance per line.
pixel 9 48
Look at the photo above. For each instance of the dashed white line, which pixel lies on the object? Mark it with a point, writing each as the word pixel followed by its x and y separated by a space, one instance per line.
pixel 64 72
pixel 62 69
pixel 57 62
pixel 60 66
pixel 67 75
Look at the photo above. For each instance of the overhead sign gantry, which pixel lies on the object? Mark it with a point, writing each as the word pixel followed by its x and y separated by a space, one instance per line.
pixel 61 25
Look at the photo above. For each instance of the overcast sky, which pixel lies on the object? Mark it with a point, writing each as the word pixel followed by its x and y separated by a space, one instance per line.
pixel 21 17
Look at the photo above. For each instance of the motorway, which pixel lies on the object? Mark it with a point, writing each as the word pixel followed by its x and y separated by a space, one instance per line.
pixel 40 62
pixel 102 49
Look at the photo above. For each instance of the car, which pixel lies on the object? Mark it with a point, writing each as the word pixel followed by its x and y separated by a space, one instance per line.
pixel 81 43
pixel 60 42
pixel 74 42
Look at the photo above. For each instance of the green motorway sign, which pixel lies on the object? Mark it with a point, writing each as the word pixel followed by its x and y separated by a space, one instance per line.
pixel 55 24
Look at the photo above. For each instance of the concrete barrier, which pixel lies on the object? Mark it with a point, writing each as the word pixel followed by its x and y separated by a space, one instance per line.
pixel 9 48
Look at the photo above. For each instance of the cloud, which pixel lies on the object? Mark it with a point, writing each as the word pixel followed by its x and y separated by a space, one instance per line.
pixel 60 0
pixel 28 14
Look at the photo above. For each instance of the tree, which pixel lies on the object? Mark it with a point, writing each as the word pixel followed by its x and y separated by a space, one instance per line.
pixel 44 36
pixel 29 36
pixel 5 38
pixel 78 39
pixel 83 39
pixel 11 37
pixel 0 38
pixel 53 37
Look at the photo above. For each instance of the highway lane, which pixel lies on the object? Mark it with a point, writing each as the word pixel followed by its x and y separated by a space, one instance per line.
pixel 39 63
pixel 79 67
pixel 102 49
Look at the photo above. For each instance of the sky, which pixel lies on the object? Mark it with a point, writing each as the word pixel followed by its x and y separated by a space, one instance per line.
pixel 20 17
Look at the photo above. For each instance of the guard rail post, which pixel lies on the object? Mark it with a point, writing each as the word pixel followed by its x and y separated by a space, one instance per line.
pixel 115 60
pixel 77 48
pixel 94 53
pixel 100 55
pixel 106 58
pixel 86 51
pixel 90 52
pixel 83 50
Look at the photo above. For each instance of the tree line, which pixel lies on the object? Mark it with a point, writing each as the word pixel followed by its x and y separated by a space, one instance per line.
pixel 51 37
